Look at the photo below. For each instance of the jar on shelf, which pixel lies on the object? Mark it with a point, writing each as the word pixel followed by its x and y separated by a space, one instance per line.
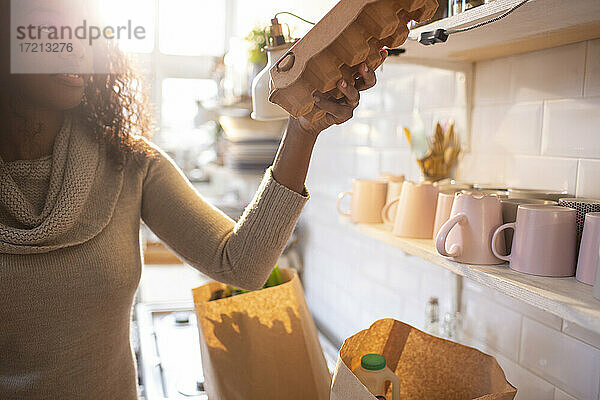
pixel 471 3
pixel 459 6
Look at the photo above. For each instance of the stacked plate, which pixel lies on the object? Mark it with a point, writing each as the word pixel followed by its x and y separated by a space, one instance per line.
pixel 250 145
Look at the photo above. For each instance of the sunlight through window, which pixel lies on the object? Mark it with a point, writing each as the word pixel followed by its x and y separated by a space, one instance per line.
pixel 117 13
pixel 192 27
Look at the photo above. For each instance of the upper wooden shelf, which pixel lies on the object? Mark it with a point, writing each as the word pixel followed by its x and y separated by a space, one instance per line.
pixel 564 297
pixel 539 24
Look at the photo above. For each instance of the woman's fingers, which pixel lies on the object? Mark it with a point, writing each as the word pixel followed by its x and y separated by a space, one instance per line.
pixel 350 92
pixel 367 78
pixel 337 113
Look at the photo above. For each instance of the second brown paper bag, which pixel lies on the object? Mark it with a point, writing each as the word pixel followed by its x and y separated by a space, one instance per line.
pixel 428 367
pixel 261 345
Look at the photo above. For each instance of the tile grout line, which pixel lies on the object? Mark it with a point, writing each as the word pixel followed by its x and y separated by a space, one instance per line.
pixel 577 177
pixel 585 58
pixel 543 116
pixel 520 339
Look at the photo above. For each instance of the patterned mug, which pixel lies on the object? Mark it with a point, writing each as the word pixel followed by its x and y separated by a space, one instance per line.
pixel 582 206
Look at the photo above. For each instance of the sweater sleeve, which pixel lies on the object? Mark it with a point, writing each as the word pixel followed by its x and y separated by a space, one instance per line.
pixel 243 253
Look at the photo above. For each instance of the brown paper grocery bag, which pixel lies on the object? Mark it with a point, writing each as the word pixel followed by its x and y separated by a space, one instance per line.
pixel 261 345
pixel 428 367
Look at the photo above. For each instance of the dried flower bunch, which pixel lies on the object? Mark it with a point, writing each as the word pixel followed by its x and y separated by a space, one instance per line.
pixel 444 149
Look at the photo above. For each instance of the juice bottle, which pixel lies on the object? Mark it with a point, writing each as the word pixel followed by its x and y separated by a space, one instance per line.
pixel 373 373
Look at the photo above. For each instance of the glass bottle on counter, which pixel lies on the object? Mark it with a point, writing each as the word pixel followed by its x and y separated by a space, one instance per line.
pixel 432 316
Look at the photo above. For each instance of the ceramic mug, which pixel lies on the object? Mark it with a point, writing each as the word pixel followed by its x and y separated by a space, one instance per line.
pixel 544 240
pixel 588 251
pixel 450 185
pixel 501 194
pixel 468 232
pixel 583 206
pixel 368 198
pixel 443 210
pixel 509 213
pixel 388 177
pixel 393 193
pixel 489 186
pixel 416 210
pixel 596 290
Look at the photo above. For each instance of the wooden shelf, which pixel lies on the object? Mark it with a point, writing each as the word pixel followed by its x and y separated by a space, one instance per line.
pixel 564 297
pixel 536 25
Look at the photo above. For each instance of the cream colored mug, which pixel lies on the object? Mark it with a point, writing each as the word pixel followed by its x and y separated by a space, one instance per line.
pixel 393 192
pixel 415 212
pixel 388 177
pixel 368 199
pixel 443 210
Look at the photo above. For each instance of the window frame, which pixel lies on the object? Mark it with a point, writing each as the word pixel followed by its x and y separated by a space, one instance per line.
pixel 157 66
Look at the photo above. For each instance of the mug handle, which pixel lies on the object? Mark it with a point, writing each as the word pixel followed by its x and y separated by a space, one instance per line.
pixel 442 236
pixel 386 210
pixel 510 225
pixel 339 203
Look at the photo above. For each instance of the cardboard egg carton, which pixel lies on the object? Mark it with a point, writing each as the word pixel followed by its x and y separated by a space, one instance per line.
pixel 353 32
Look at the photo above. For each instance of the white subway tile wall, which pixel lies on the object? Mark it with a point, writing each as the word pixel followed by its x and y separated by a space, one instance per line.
pixel 581 333
pixel 570 364
pixel 489 322
pixel 588 179
pixel 556 73
pixel 538 172
pixel 500 129
pixel 592 69
pixel 529 385
pixel 560 395
pixel 535 123
pixel 571 128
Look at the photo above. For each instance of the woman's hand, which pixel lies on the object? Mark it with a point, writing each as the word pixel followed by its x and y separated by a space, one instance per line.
pixel 341 110
pixel 292 159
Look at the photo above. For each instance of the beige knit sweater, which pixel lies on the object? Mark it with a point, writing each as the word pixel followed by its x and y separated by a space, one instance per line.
pixel 70 260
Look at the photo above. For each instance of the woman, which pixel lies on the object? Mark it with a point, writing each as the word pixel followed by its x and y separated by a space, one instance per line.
pixel 75 181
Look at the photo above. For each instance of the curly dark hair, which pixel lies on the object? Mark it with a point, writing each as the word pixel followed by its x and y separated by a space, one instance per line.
pixel 117 109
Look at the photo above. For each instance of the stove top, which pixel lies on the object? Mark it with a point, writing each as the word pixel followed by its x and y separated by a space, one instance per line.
pixel 169 362
pixel 169 357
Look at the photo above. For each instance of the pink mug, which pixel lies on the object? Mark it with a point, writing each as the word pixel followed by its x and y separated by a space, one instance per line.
pixel 468 232
pixel 588 251
pixel 544 241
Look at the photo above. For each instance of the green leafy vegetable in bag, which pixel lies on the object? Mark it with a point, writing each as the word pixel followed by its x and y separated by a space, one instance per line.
pixel 275 279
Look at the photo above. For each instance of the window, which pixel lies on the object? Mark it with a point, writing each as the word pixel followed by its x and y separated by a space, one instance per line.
pixel 179 101
pixel 192 27
pixel 139 12
pixel 185 40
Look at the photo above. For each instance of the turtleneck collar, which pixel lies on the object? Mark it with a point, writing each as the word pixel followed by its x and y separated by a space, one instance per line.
pixel 82 194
